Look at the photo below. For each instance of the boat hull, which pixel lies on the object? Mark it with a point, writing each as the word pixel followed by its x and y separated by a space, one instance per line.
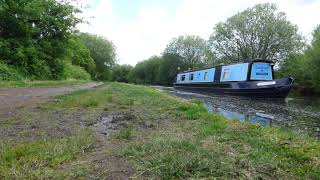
pixel 278 88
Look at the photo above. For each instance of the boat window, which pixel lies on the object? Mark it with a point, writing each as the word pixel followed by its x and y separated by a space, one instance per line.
pixel 261 71
pixel 205 75
pixel 226 74
pixel 191 77
pixel 183 77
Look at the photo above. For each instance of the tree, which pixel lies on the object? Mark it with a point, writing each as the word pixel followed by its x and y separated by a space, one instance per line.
pixel 305 66
pixel 79 55
pixel 34 35
pixel 168 67
pixel 121 73
pixel 258 32
pixel 102 51
pixel 146 72
pixel 193 50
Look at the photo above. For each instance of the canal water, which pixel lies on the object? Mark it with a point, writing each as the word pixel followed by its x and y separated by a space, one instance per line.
pixel 301 114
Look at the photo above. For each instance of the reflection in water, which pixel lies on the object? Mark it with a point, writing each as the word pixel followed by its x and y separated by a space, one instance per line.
pixel 257 118
pixel 299 114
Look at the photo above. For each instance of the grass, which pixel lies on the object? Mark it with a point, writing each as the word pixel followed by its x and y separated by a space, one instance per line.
pixel 124 133
pixel 192 143
pixel 184 141
pixel 27 83
pixel 39 159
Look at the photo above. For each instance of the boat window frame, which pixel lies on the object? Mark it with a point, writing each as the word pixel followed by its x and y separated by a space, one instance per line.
pixel 183 77
pixel 191 76
pixel 205 76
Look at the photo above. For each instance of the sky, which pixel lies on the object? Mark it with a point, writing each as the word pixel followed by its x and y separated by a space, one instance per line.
pixel 142 28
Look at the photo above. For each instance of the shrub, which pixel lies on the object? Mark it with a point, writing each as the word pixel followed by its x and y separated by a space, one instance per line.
pixel 75 72
pixel 8 73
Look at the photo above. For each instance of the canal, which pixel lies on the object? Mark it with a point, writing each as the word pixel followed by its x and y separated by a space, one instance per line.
pixel 301 114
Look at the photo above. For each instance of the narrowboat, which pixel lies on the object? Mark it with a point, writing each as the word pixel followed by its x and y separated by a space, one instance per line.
pixel 252 78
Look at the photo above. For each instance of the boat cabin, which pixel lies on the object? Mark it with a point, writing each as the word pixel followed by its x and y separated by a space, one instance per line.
pixel 252 70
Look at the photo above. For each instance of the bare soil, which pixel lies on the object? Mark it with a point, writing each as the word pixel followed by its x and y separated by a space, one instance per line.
pixel 12 99
pixel 22 118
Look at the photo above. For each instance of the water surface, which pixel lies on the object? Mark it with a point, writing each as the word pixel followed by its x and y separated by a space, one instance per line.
pixel 301 114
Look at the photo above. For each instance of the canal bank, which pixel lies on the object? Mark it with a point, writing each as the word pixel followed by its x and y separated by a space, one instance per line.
pixel 297 113
pixel 124 131
pixel 188 142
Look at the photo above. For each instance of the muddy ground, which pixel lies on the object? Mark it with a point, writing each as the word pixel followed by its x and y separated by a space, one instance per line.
pixel 23 117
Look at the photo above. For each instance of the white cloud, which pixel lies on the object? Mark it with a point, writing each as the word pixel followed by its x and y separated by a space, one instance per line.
pixel 149 33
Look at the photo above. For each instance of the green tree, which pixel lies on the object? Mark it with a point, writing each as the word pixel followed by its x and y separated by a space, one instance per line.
pixel 121 73
pixel 79 55
pixel 168 67
pixel 102 51
pixel 146 72
pixel 258 32
pixel 193 50
pixel 34 35
pixel 305 66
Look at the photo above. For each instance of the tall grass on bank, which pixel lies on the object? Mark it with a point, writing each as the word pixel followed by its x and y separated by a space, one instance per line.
pixel 28 83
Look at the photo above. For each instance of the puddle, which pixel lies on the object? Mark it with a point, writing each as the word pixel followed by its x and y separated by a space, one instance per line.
pixel 109 123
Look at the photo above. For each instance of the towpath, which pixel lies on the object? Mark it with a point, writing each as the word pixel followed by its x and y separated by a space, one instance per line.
pixel 12 99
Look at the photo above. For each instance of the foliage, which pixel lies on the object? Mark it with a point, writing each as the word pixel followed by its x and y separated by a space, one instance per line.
pixel 79 55
pixel 258 32
pixel 31 83
pixel 157 70
pixel 167 69
pixel 120 73
pixel 8 73
pixel 146 72
pixel 103 53
pixel 34 35
pixel 75 72
pixel 305 67
pixel 193 50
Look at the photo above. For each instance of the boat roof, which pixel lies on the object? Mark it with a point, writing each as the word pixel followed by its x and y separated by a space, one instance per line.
pixel 243 61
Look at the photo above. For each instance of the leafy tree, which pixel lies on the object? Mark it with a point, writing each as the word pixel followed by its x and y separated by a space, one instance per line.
pixel 305 67
pixel 102 51
pixel 121 73
pixel 34 35
pixel 258 32
pixel 193 50
pixel 146 72
pixel 168 67
pixel 79 55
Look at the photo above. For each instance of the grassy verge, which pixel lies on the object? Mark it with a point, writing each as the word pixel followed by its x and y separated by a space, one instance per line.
pixel 187 141
pixel 39 159
pixel 16 84
pixel 168 138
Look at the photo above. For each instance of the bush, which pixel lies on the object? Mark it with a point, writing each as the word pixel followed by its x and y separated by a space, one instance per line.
pixel 8 73
pixel 75 72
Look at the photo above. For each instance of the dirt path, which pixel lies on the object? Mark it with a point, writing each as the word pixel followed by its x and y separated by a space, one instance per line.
pixel 12 99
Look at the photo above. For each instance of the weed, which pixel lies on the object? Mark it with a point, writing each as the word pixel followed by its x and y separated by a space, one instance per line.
pixel 124 133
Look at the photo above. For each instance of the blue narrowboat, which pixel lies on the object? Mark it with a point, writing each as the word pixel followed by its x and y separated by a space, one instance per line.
pixel 252 78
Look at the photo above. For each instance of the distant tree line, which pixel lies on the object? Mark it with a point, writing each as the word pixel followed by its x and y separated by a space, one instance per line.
pixel 258 32
pixel 38 40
